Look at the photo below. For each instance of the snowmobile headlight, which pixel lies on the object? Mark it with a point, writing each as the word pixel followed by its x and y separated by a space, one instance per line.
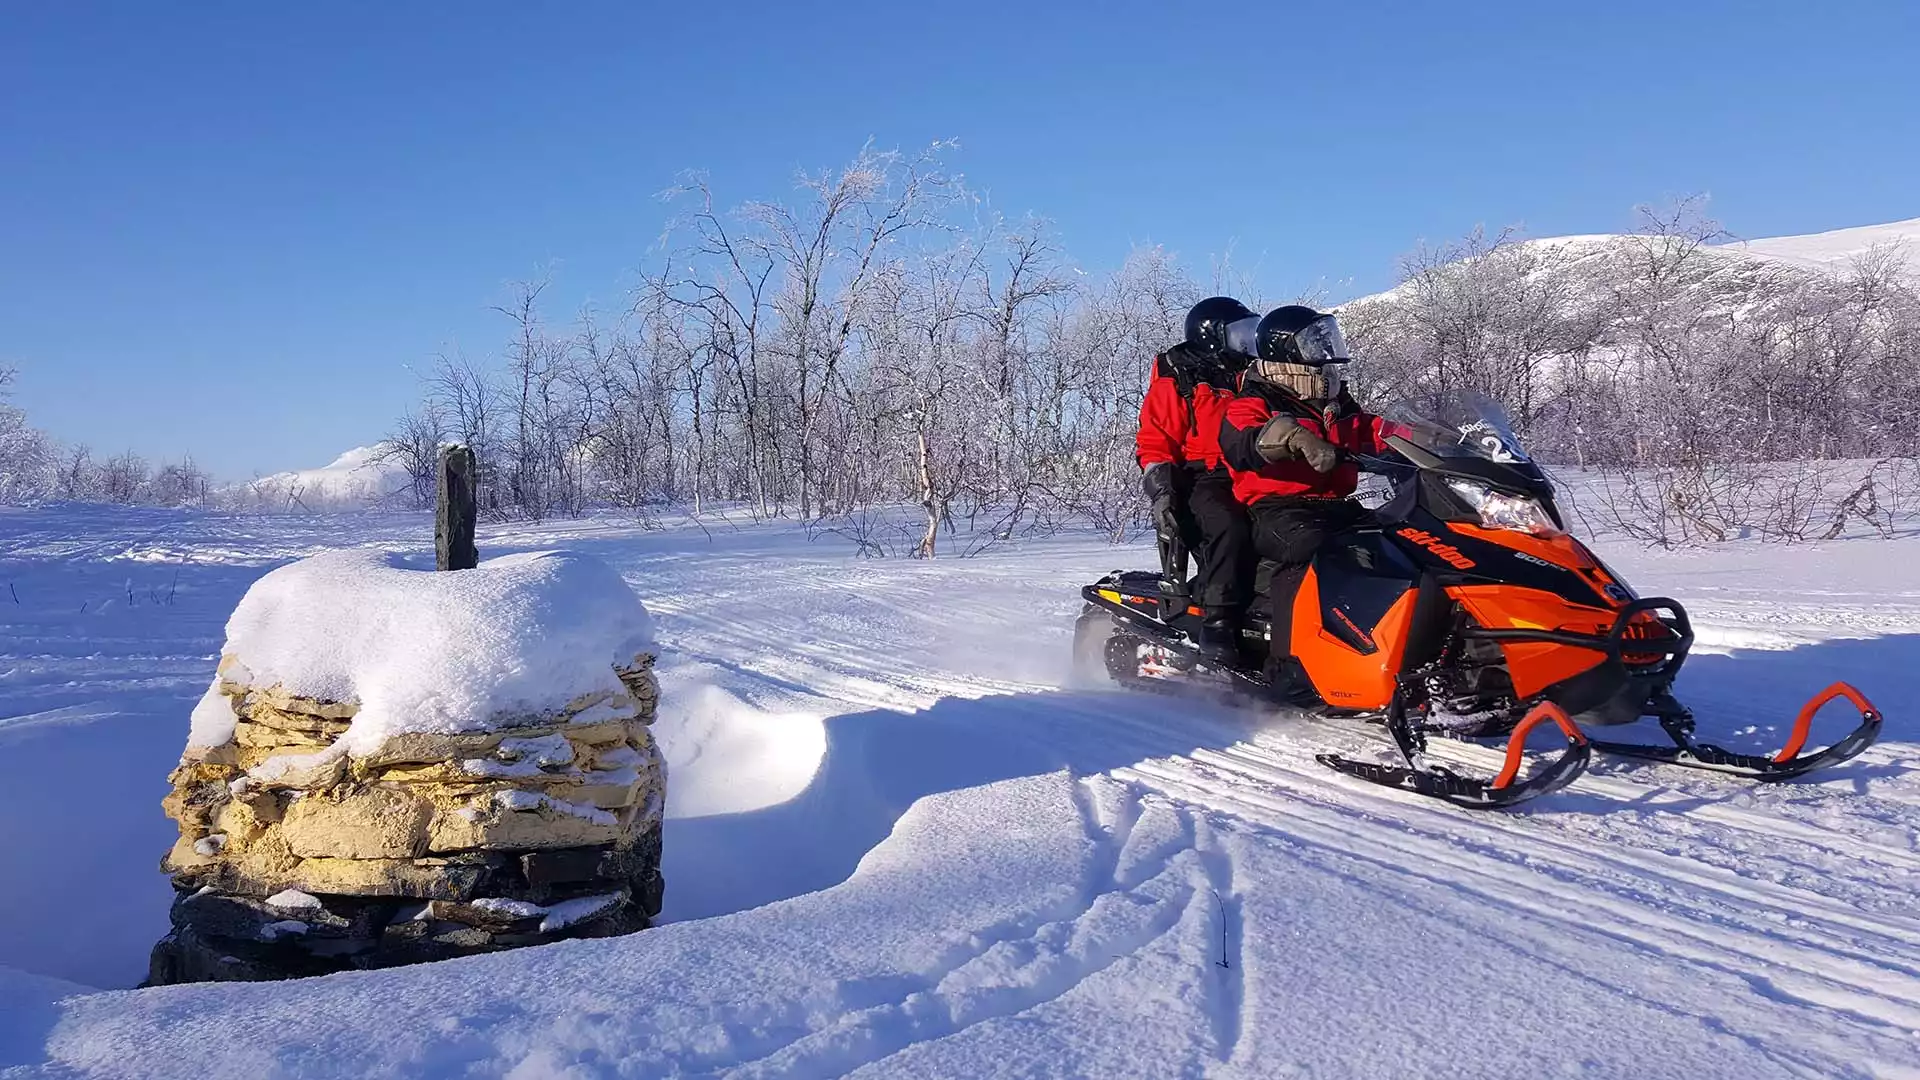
pixel 1500 510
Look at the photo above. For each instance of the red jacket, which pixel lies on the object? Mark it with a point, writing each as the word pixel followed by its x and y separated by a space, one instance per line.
pixel 1256 478
pixel 1183 428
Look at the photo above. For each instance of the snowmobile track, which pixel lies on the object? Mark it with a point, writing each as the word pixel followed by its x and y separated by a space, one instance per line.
pixel 1136 897
pixel 1560 882
pixel 1547 915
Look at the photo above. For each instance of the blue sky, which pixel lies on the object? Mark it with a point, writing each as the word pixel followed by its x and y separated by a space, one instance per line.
pixel 238 230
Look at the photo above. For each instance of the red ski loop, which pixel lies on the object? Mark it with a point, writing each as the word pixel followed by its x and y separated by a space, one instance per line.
pixel 1803 724
pixel 1517 742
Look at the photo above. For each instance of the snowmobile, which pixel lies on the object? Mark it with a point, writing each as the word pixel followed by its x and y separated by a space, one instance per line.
pixel 1459 607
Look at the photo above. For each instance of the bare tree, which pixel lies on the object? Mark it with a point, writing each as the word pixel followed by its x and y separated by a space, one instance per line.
pixel 180 483
pixel 414 445
pixel 895 365
pixel 27 455
pixel 78 474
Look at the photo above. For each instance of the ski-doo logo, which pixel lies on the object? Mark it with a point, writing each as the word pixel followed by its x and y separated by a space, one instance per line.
pixel 1449 554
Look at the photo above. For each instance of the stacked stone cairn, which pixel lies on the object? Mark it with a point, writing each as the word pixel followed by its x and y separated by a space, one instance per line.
pixel 297 858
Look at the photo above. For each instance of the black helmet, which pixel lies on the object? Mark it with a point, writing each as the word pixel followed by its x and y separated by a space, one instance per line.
pixel 1207 323
pixel 1297 334
pixel 1301 349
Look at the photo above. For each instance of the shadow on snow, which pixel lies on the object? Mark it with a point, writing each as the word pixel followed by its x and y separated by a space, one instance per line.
pixel 877 763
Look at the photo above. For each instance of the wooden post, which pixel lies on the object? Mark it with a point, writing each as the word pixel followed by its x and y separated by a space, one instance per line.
pixel 457 511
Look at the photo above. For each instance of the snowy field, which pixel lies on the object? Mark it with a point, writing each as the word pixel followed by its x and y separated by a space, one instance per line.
pixel 902 843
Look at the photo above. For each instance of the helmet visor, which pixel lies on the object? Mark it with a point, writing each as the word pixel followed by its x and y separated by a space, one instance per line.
pixel 1242 337
pixel 1321 342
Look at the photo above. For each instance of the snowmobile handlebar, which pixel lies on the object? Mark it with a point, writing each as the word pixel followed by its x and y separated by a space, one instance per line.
pixel 1381 465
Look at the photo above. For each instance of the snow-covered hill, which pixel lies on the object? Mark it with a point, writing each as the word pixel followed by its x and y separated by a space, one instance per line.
pixel 1593 257
pixel 361 477
pixel 1836 249
pixel 902 841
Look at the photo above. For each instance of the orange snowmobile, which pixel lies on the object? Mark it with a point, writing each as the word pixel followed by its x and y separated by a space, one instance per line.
pixel 1459 607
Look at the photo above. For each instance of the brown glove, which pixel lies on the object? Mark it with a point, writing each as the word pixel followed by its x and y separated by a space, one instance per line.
pixel 1283 439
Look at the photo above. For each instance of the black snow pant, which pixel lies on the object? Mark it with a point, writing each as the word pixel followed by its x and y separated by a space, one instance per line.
pixel 1289 531
pixel 1216 532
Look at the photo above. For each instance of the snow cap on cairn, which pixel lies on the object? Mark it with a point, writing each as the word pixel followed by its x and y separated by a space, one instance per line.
pixel 420 651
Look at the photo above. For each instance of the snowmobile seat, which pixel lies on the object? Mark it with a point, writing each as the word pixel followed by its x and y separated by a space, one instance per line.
pixel 1359 537
pixel 1141 582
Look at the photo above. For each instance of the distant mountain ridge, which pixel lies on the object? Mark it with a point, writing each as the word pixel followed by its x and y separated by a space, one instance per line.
pixel 358 478
pixel 1827 252
pixel 1837 248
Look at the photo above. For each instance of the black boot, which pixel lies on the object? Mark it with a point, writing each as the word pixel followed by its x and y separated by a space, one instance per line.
pixel 1219 637
pixel 1287 683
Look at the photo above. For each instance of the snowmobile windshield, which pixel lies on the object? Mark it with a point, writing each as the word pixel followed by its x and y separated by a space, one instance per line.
pixel 1241 336
pixel 1321 342
pixel 1464 425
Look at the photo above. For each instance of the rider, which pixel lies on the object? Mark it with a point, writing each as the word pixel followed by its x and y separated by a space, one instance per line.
pixel 1185 477
pixel 1286 440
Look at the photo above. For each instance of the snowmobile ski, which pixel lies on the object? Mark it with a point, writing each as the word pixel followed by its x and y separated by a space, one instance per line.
pixel 1677 721
pixel 1440 782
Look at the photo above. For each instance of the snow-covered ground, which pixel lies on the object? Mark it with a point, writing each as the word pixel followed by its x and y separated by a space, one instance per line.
pixel 901 842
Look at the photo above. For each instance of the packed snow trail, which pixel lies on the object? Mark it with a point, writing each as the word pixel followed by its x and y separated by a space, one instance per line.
pixel 1047 926
pixel 899 845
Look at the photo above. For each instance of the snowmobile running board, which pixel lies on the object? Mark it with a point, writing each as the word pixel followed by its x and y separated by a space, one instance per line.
pixel 1677 722
pixel 1440 782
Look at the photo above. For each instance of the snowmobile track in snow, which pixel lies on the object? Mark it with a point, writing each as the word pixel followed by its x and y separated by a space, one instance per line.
pixel 1784 942
pixel 1136 896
